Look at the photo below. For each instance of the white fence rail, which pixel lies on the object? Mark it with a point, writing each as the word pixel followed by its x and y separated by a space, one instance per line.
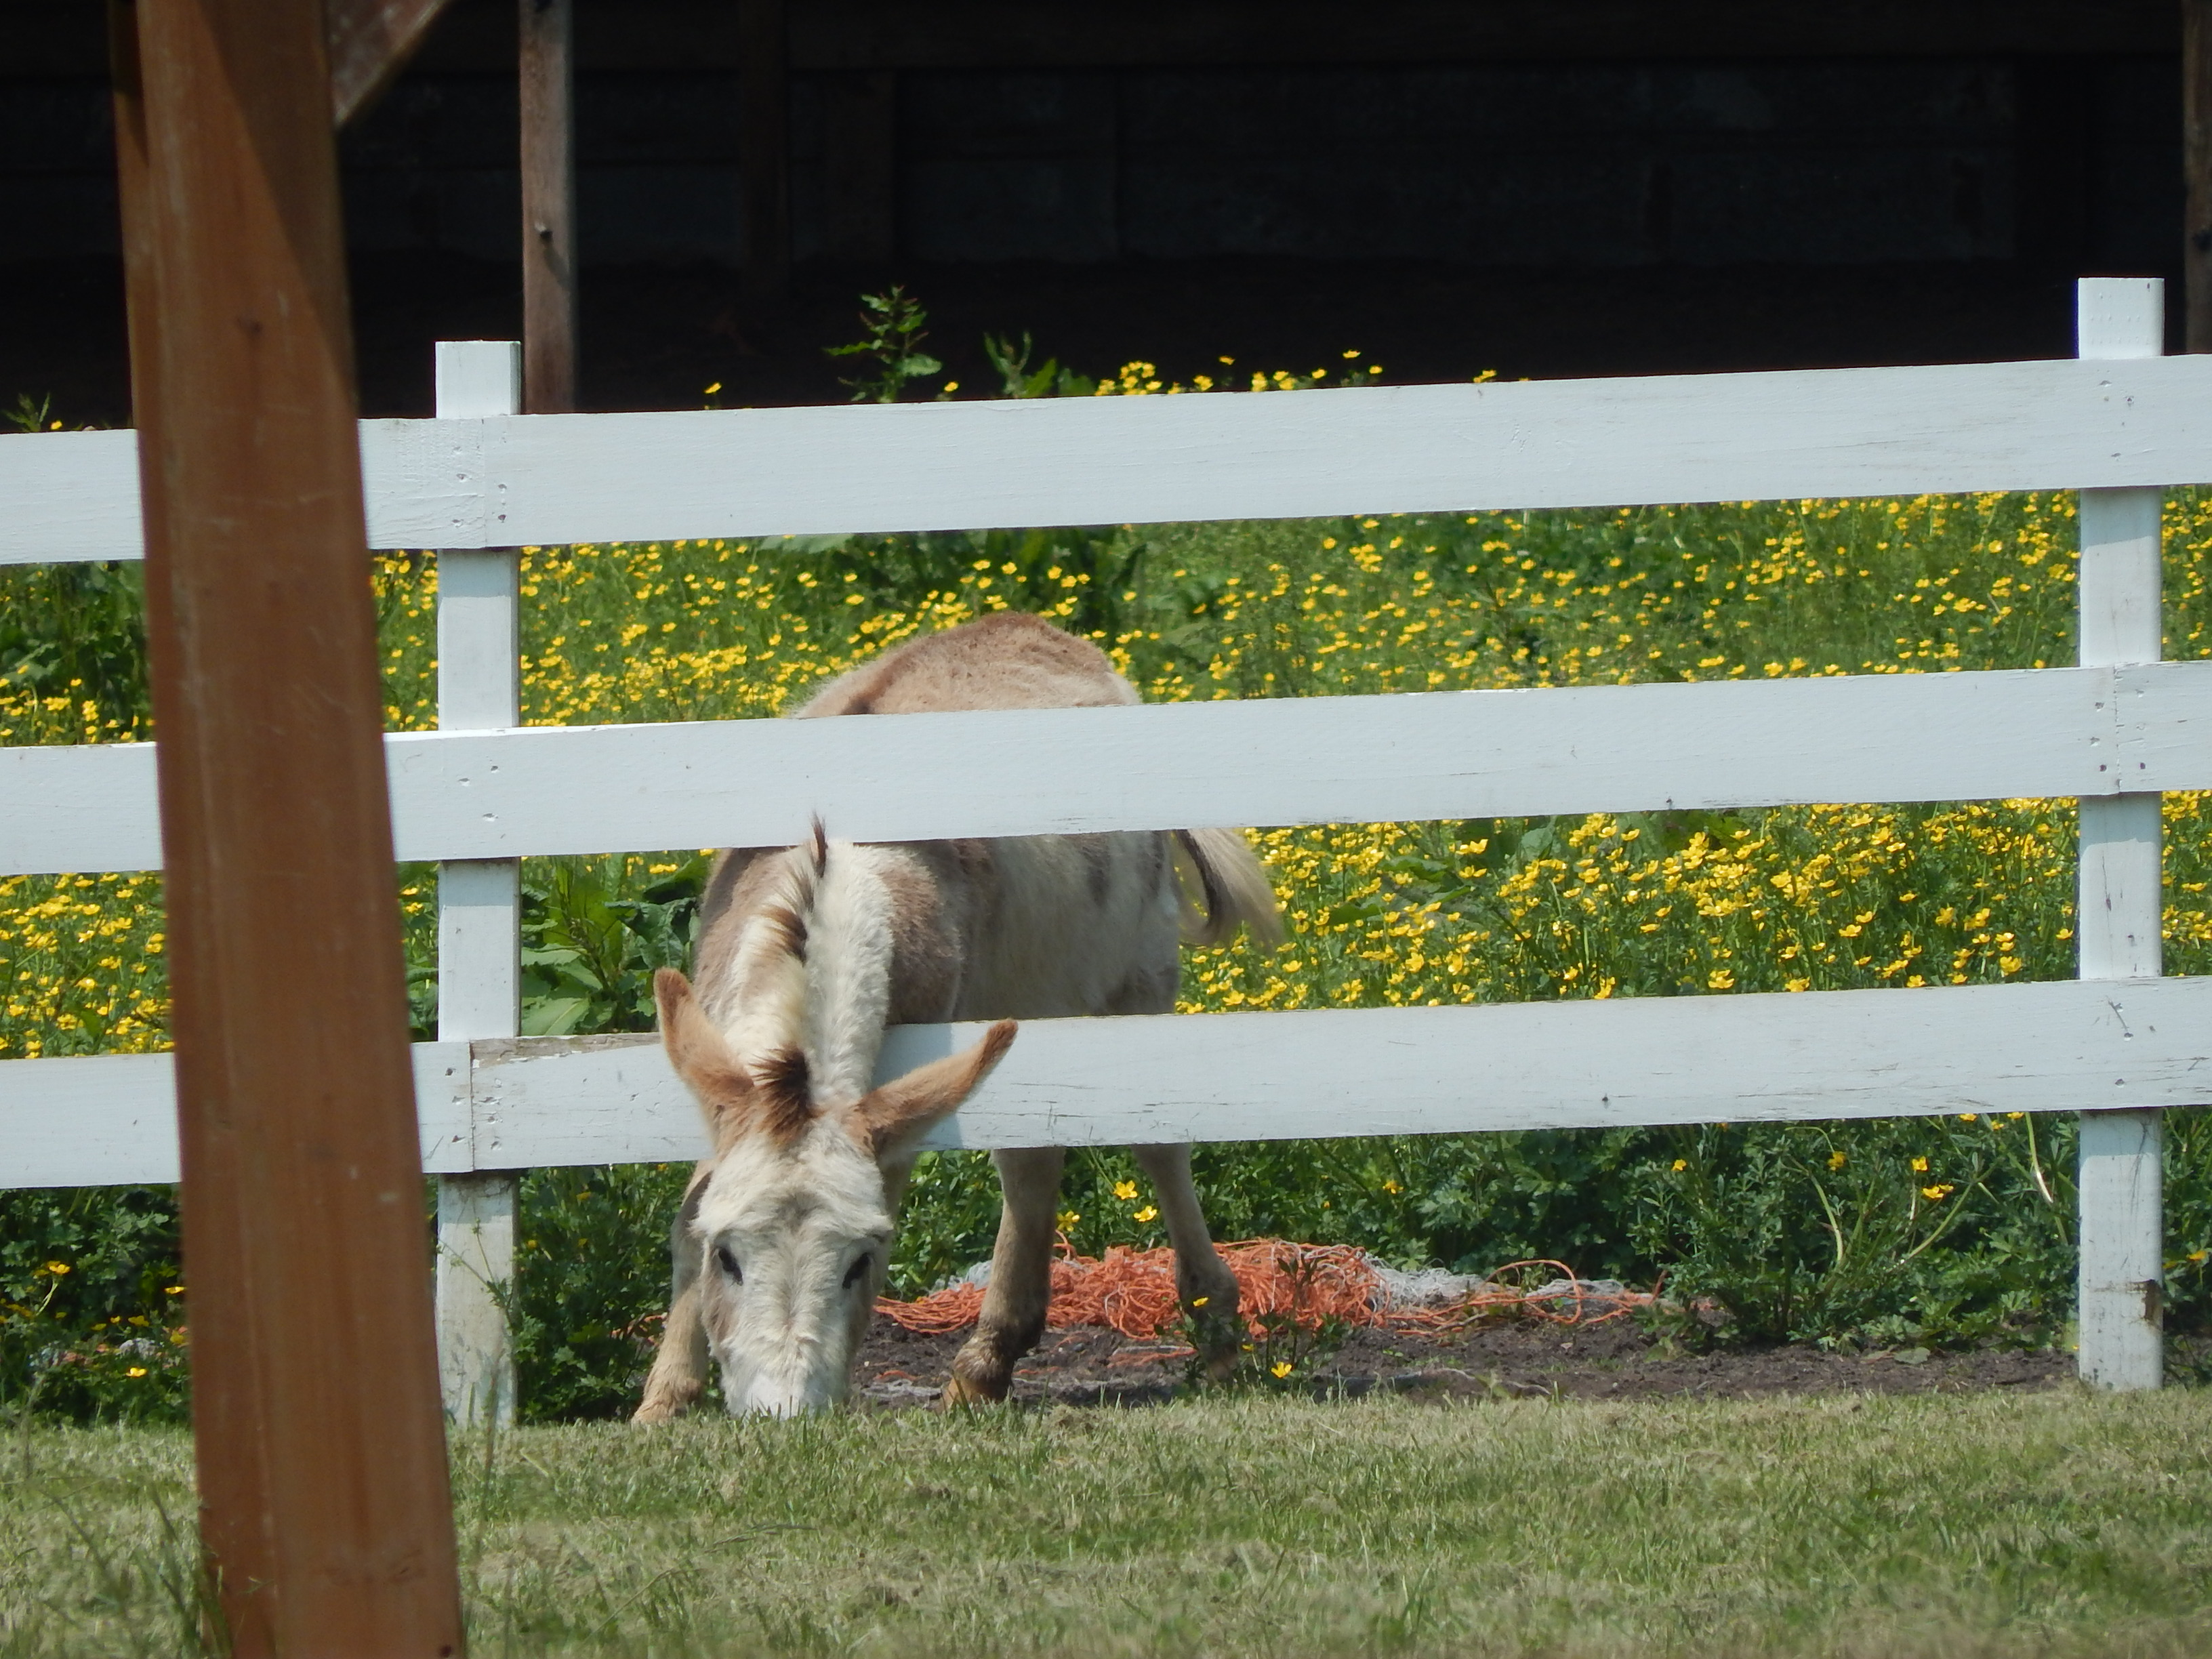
pixel 536 1101
pixel 2122 1046
pixel 548 479
pixel 2079 732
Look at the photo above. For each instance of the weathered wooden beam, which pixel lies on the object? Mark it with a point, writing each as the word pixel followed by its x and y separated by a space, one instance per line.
pixel 2197 172
pixel 323 1506
pixel 370 42
pixel 549 206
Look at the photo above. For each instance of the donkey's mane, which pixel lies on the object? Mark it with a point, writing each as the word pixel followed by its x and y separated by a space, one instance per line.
pixel 783 1094
pixel 807 994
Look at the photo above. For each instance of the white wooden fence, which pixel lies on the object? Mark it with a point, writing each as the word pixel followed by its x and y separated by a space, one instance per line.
pixel 2119 1044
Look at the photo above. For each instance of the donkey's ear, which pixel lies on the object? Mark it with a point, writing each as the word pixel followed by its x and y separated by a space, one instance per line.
pixel 701 1056
pixel 890 1119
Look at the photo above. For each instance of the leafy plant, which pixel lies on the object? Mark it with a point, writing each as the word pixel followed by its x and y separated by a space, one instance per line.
pixel 91 1307
pixel 1018 380
pixel 1283 1351
pixel 890 348
pixel 592 935
pixel 28 416
pixel 1954 1230
pixel 590 1286
pixel 76 632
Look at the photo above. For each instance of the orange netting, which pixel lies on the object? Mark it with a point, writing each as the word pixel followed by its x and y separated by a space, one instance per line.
pixel 1133 1291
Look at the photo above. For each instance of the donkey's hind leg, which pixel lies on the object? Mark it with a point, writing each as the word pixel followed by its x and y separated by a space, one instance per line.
pixel 1021 1278
pixel 1204 1285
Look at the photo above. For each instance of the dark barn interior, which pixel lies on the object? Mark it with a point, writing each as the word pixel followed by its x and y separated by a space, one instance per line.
pixel 1598 186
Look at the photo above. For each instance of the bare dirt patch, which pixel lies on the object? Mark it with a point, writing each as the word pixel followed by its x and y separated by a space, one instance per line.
pixel 1616 1359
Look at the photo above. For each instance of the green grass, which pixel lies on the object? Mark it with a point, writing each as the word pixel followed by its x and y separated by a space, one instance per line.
pixel 2055 1523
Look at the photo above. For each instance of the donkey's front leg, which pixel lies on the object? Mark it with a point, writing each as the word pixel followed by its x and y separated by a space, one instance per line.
pixel 1204 1284
pixel 1021 1278
pixel 679 1367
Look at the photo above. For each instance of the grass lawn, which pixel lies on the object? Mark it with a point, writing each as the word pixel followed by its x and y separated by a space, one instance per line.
pixel 1993 1523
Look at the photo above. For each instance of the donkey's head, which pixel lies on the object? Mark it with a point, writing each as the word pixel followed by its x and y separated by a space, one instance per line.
pixel 794 1227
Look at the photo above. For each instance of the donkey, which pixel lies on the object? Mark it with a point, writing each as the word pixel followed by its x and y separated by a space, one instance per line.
pixel 805 955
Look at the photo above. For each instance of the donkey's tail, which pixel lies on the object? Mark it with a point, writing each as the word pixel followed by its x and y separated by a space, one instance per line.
pixel 1236 888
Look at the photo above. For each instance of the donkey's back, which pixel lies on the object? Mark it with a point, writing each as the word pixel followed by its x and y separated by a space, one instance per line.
pixel 1007 659
pixel 1014 927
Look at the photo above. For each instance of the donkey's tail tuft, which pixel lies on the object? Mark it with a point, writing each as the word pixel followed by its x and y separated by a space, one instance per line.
pixel 1236 888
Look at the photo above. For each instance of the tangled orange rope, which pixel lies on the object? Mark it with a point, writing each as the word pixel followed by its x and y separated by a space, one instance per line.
pixel 1133 1291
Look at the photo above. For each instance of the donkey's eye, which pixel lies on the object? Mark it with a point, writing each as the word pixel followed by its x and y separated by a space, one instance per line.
pixel 728 1263
pixel 853 1274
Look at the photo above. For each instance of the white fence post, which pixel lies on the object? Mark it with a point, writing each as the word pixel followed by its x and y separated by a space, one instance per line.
pixel 479 974
pixel 2119 910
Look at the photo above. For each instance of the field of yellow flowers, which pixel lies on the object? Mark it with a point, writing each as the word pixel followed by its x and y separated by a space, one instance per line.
pixel 1955 1228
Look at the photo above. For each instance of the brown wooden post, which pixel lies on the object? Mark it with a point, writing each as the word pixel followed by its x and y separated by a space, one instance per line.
pixel 371 41
pixel 549 207
pixel 2197 169
pixel 323 1505
pixel 764 142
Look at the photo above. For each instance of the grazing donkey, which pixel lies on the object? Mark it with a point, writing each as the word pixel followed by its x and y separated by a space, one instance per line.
pixel 806 954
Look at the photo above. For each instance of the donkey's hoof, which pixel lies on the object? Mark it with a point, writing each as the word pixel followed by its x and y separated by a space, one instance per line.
pixel 665 1404
pixel 1218 1336
pixel 962 1390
